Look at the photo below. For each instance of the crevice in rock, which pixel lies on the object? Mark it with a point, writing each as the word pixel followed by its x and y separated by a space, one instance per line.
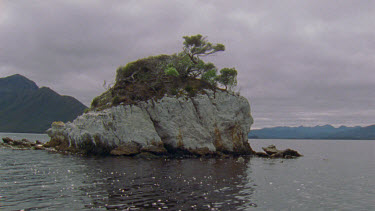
pixel 108 126
pixel 154 122
pixel 198 114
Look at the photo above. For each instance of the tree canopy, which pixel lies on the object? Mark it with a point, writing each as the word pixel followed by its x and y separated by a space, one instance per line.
pixel 189 64
pixel 180 74
pixel 228 77
pixel 197 45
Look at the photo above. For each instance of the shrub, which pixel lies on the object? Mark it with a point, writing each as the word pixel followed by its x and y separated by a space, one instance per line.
pixel 228 77
pixel 171 71
pixel 188 88
pixel 116 100
pixel 210 76
pixel 174 91
pixel 95 102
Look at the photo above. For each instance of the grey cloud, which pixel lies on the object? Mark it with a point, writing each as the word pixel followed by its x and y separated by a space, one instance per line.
pixel 299 62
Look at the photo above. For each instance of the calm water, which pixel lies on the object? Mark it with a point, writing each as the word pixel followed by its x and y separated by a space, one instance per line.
pixel 333 175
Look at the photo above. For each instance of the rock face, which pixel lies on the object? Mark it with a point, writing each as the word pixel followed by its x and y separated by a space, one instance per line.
pixel 208 123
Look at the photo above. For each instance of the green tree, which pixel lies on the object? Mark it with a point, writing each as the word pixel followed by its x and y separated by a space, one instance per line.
pixel 210 76
pixel 189 64
pixel 197 45
pixel 228 77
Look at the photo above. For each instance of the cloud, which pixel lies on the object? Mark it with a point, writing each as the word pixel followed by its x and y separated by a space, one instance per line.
pixel 299 62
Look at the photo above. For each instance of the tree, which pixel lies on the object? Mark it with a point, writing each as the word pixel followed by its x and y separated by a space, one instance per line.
pixel 187 68
pixel 210 76
pixel 189 64
pixel 228 77
pixel 197 45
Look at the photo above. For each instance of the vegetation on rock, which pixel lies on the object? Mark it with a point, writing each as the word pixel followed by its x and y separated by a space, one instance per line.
pixel 182 74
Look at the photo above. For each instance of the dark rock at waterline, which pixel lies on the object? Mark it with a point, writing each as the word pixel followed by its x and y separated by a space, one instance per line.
pixel 21 144
pixel 7 140
pixel 271 149
pixel 131 148
pixel 272 152
pixel 262 154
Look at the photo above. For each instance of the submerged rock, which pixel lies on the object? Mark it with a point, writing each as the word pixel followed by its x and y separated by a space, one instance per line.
pixel 273 152
pixel 205 124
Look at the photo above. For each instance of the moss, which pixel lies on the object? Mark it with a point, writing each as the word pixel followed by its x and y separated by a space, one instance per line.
pixel 174 91
pixel 145 79
pixel 125 71
pixel 116 100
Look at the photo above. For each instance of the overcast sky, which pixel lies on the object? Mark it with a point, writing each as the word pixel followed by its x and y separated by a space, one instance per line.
pixel 299 62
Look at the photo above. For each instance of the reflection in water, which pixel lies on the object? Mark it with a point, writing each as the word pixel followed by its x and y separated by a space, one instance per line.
pixel 40 180
pixel 119 183
pixel 333 175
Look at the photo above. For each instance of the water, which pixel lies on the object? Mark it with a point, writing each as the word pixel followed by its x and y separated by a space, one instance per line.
pixel 333 175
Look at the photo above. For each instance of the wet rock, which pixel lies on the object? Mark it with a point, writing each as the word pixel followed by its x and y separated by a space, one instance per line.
pixel 201 151
pixel 272 152
pixel 262 154
pixel 287 153
pixel 147 155
pixel 131 148
pixel 39 147
pixel 158 150
pixel 240 160
pixel 271 149
pixel 7 140
pixel 18 144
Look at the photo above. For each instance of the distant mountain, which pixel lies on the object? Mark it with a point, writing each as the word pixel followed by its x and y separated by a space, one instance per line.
pixel 317 132
pixel 24 107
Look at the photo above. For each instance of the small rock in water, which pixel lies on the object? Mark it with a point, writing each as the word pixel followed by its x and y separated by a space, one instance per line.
pixel 17 144
pixel 253 205
pixel 240 160
pixel 273 152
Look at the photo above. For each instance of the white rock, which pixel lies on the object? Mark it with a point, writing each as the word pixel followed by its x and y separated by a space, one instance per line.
pixel 213 121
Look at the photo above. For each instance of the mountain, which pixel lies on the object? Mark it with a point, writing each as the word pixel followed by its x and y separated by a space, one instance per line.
pixel 317 132
pixel 24 107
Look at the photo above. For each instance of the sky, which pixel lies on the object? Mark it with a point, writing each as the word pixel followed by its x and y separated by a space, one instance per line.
pixel 299 62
